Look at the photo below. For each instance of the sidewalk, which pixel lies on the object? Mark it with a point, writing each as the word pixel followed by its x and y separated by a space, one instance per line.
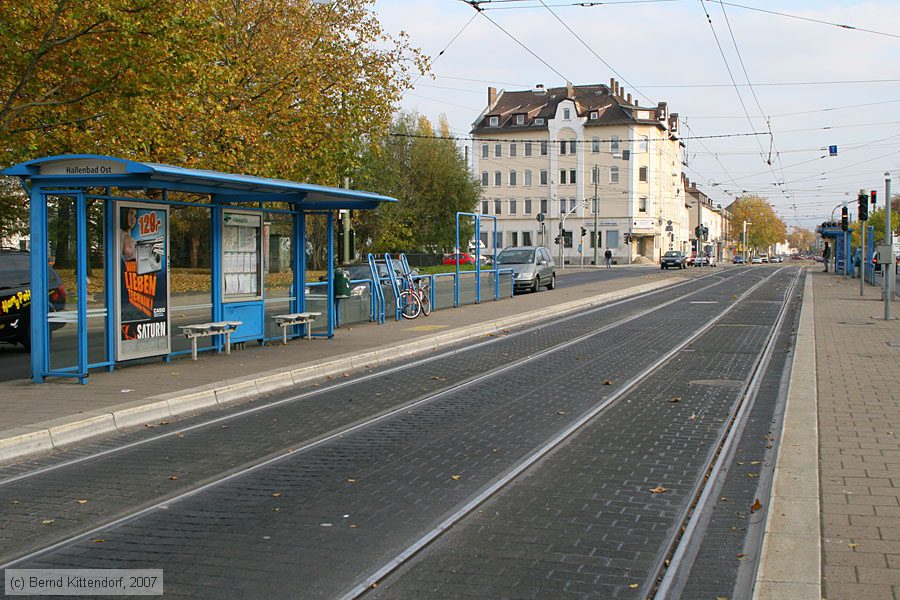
pixel 38 418
pixel 857 356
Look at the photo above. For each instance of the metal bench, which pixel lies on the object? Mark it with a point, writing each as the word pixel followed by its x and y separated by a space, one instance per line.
pixel 289 320
pixel 192 332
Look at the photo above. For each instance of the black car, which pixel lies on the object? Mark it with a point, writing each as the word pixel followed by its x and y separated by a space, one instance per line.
pixel 15 297
pixel 673 258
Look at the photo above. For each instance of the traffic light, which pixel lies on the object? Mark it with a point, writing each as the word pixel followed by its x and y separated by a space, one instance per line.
pixel 556 240
pixel 863 201
pixel 845 219
pixel 583 232
pixel 872 195
pixel 697 232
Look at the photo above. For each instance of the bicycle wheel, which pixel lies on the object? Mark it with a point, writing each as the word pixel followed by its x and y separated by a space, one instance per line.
pixel 410 306
pixel 425 300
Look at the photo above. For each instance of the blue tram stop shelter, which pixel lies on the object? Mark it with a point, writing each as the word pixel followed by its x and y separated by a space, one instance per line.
pixel 129 220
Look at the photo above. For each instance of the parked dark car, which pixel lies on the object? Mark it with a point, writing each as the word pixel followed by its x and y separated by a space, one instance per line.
pixel 532 266
pixel 737 260
pixel 674 259
pixel 15 297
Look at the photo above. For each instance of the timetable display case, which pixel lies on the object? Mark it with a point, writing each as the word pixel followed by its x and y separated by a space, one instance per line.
pixel 241 256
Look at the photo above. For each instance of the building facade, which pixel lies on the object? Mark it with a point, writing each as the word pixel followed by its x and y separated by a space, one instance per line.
pixel 716 220
pixel 554 163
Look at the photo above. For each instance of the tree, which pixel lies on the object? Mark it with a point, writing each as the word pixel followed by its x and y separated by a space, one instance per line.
pixel 428 174
pixel 802 239
pixel 766 229
pixel 876 221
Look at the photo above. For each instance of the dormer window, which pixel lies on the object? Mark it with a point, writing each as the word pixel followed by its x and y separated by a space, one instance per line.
pixel 493 121
pixel 539 121
pixel 520 119
pixel 567 114
pixel 594 115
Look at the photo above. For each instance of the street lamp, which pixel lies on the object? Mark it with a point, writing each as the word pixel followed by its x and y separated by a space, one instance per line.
pixel 744 240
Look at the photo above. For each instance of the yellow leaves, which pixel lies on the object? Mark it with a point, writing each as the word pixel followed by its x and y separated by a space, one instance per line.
pixel 607 382
pixel 633 586
pixel 82 501
pixel 756 506
pixel 853 546
pixel 659 490
pixel 47 522
pixel 455 477
pixel 276 494
pixel 675 399
pixel 173 477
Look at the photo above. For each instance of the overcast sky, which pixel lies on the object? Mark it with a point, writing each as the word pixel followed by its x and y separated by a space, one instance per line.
pixel 665 50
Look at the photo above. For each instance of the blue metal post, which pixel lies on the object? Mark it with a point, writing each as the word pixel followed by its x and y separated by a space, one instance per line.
pixel 81 272
pixel 456 278
pixel 110 271
pixel 40 351
pixel 478 258
pixel 496 266
pixel 330 299
pixel 218 308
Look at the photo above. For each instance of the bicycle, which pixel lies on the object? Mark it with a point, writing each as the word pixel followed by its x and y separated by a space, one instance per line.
pixel 415 299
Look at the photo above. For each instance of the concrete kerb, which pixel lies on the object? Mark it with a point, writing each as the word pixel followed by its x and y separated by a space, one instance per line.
pixel 791 561
pixel 21 442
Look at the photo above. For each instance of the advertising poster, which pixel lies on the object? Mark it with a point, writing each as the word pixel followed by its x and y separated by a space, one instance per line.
pixel 143 281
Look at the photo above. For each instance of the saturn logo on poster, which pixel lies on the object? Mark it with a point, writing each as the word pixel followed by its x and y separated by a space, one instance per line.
pixel 151 330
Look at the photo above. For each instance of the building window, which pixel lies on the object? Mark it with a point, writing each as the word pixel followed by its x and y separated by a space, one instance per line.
pixel 520 119
pixel 544 148
pixel 614 144
pixel 512 150
pixel 614 174
pixel 484 178
pixel 572 146
pixel 498 178
pixel 642 204
pixel 562 176
pixel 484 151
pixel 494 121
pixel 498 151
pixel 539 121
pixel 645 143
pixel 526 238
pixel 567 238
pixel 483 238
pixel 513 209
pixel 594 175
pixel 642 174
pixel 562 147
pixel 514 239
pixel 595 239
pixel 612 238
pixel 572 176
pixel 512 179
pixel 527 148
pixel 484 207
pixel 562 206
pixel 527 208
pixel 594 115
pixel 543 177
pixel 498 240
pixel 595 144
pixel 567 114
pixel 527 177
pixel 544 207
pixel 572 204
pixel 497 206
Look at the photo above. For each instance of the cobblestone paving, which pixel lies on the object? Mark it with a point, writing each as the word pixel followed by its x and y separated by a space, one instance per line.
pixel 316 522
pixel 118 483
pixel 859 427
pixel 584 523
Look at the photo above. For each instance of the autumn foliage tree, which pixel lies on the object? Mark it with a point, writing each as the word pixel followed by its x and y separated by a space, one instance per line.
pixel 767 228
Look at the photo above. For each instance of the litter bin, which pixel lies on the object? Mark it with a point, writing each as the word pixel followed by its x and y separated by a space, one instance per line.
pixel 341 284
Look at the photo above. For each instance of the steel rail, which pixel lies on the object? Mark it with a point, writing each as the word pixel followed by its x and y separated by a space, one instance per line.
pixel 341 432
pixel 524 464
pixel 671 570
pixel 375 374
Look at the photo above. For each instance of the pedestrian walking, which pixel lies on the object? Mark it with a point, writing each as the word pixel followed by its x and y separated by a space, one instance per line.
pixel 826 254
pixel 608 256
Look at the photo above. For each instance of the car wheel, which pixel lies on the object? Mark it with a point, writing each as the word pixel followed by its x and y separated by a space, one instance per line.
pixel 537 283
pixel 662 267
pixel 552 283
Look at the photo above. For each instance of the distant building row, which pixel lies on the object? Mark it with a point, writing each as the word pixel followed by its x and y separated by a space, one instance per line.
pixel 551 152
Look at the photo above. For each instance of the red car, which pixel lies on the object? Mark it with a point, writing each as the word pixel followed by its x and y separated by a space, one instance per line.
pixel 462 257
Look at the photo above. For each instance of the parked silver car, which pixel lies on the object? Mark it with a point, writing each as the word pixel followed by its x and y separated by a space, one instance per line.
pixel 533 267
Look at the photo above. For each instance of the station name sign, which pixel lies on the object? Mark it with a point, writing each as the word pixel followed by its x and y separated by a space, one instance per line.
pixel 83 166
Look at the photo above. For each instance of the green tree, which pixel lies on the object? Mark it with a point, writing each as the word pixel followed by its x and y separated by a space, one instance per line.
pixel 428 174
pixel 802 239
pixel 766 229
pixel 876 220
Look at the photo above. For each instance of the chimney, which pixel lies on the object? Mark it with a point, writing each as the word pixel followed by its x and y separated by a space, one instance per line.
pixel 622 93
pixel 661 112
pixel 539 89
pixel 616 89
pixel 570 90
pixel 673 122
pixel 612 84
pixel 492 96
pixel 629 98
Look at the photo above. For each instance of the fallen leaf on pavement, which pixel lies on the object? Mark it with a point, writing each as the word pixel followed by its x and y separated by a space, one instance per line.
pixel 659 489
pixel 173 477
pixel 276 494
pixel 351 481
pixel 82 501
pixel 47 522
pixel 851 546
pixel 752 474
pixel 756 506
pixel 675 399
pixel 633 586
pixel 98 541
pixel 345 374
pixel 607 382
pixel 454 477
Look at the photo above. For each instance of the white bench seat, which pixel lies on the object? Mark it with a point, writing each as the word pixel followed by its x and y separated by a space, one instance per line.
pixel 199 330
pixel 291 319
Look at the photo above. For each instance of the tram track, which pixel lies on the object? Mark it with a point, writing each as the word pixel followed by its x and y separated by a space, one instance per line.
pixel 134 517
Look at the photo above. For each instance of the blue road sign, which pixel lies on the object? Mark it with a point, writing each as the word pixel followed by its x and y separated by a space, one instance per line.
pixel 832 150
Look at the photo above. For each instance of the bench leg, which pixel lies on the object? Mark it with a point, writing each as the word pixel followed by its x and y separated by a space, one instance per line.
pixel 308 330
pixel 227 342
pixel 193 348
pixel 284 329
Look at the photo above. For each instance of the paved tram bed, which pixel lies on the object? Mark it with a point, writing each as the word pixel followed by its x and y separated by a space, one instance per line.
pixel 319 521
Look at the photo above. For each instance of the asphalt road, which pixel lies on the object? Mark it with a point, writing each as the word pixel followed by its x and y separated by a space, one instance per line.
pixel 289 502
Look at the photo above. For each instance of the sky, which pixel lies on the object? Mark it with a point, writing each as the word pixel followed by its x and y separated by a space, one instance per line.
pixel 813 84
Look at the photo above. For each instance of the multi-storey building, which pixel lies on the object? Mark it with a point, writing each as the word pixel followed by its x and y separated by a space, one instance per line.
pixel 716 220
pixel 544 155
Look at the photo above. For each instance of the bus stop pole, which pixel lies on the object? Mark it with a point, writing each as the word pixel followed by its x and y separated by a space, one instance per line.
pixel 81 264
pixel 887 270
pixel 39 350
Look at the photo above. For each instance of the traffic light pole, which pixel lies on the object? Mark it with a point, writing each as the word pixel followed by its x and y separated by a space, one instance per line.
pixel 596 233
pixel 863 200
pixel 887 270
